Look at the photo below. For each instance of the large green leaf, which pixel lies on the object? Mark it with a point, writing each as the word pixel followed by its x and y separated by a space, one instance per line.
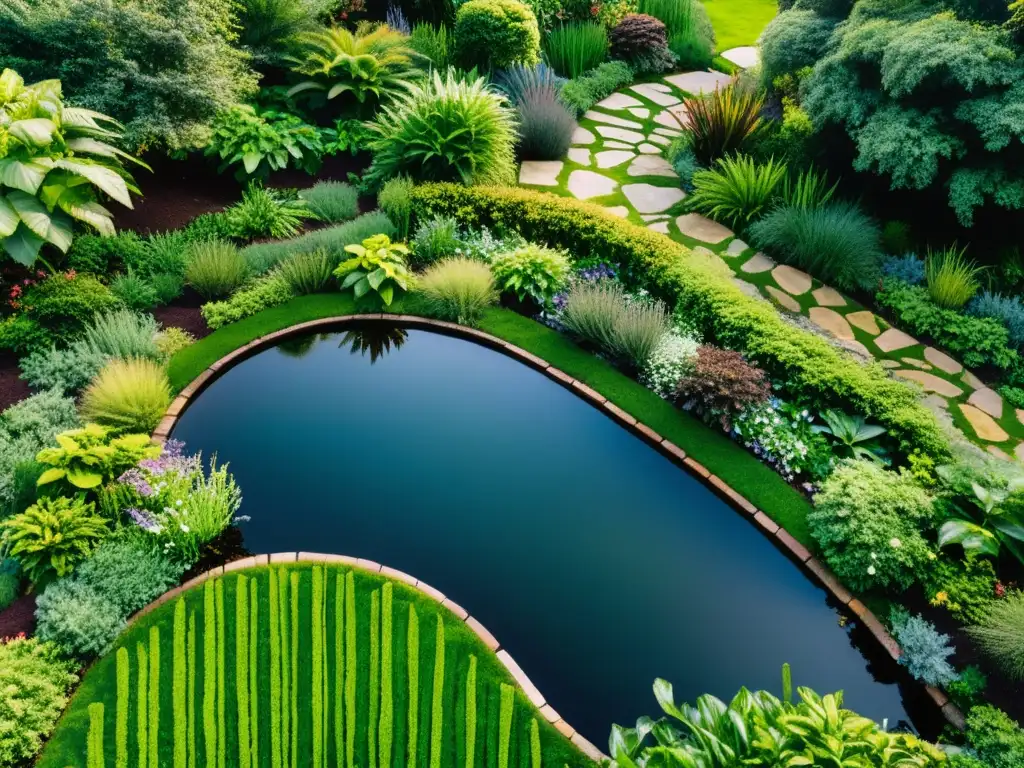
pixel 89 211
pixel 104 178
pixel 970 536
pixel 23 246
pixel 8 218
pixel 89 146
pixel 35 131
pixel 27 177
pixel 53 227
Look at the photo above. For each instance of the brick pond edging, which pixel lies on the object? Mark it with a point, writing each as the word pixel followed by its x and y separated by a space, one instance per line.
pixel 780 536
pixel 371 566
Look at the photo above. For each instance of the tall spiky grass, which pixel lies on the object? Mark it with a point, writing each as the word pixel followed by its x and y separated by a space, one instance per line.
pixel 624 327
pixel 577 47
pixel 952 278
pixel 458 290
pixel 1001 634
pixel 445 129
pixel 516 79
pixel 124 334
pixel 738 190
pixel 309 272
pixel 214 268
pixel 131 395
pixel 546 125
pixel 809 189
pixel 720 122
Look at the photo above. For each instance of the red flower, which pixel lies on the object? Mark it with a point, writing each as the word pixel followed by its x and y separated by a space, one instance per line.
pixel 1000 590
pixel 70 274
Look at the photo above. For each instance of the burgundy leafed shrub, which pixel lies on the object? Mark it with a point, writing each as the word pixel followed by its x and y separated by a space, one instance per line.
pixel 642 41
pixel 722 384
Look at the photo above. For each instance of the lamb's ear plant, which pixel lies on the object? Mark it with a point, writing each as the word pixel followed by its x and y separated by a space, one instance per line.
pixel 378 265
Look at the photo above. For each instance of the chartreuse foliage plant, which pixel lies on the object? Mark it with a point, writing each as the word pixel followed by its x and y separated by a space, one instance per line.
pixel 378 265
pixel 493 34
pixel 458 289
pixel 129 395
pixel 737 190
pixel 53 160
pixel 951 277
pixel 85 458
pixel 306 661
pixel 756 728
pixel 532 272
pixel 52 536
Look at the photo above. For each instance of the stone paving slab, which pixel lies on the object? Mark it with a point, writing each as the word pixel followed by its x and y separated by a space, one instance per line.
pixel 745 56
pixel 894 339
pixel 987 400
pixel 654 138
pixel 971 380
pixel 650 91
pixel 587 184
pixel 758 263
pixel 642 112
pixel 610 158
pixel 828 297
pixel 647 198
pixel 579 155
pixel 832 321
pixel 931 382
pixel 619 101
pixel 983 424
pixel 601 117
pixel 650 165
pixel 783 298
pixel 540 172
pixel 669 132
pixel 792 280
pixel 864 320
pixel 699 82
pixel 736 247
pixel 617 145
pixel 942 361
pixel 621 134
pixel 649 149
pixel 668 120
pixel 702 228
pixel 658 226
pixel 619 210
pixel 582 136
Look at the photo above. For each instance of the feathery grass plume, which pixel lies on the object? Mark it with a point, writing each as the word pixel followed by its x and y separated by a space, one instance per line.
pixel 534 744
pixel 458 290
pixel 309 272
pixel 546 125
pixel 720 122
pixel 316 660
pixel 209 672
pixel 437 704
pixel 191 650
pixel 576 47
pixel 242 668
pixel 142 704
pixel 275 674
pixel 952 278
pixel 350 668
pixel 254 644
pixel 1001 634
pixel 123 705
pixel 339 669
pixel 517 78
pixel 294 602
pixel 131 395
pixel 94 742
pixel 413 674
pixel 623 326
pixel 178 686
pixel 332 201
pixel 387 727
pixel 123 333
pixel 153 721
pixel 214 268
pixel 286 708
pixel 471 713
pixel 432 42
pixel 222 697
pixel 505 727
pixel 738 190
pixel 374 692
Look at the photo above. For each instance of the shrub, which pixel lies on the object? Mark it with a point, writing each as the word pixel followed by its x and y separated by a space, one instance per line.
pixel 76 618
pixel 671 359
pixel 129 572
pixel 433 43
pixel 265 291
pixel 906 268
pixel 801 361
pixel 721 384
pixel 952 279
pixel 52 536
pixel 962 586
pixel 626 327
pixel 267 28
pixel 25 429
pixel 680 154
pixel 130 395
pixel 373 62
pixel 167 287
pixel 925 650
pixel 1001 634
pixel 997 740
pixel 86 458
pixel 256 143
pixel 1007 309
pixel 164 254
pixel 67 370
pixel 793 40
pixel 868 523
pixel 1013 395
pixel 55 156
pixel 35 681
pixel 435 239
pixel 261 257
pixel 581 93
pixel 574 48
pixel 214 268
pixel 124 334
pixel 977 340
pixel 642 41
pixel 721 121
pixel 533 272
pixel 377 265
pixel 332 201
pixel 134 291
pixel 492 34
pixel 172 340
pixel 395 199
pixel 693 51
pixel 163 71
pixel 307 272
pixel 58 308
pixel 210 226
pixel 737 191
pixel 458 290
pixel 266 213
pixel 783 436
pixel 545 125
pixel 836 243
pixel 101 255
pixel 445 130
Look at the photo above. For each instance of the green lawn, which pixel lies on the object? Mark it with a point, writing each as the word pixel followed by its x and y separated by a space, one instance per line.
pixel 305 665
pixel 739 22
pixel 746 474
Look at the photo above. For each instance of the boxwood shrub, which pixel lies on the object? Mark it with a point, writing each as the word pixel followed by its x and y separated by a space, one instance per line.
pixel 803 362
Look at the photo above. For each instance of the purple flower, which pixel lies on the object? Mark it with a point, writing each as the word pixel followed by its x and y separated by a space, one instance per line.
pixel 144 520
pixel 560 300
pixel 137 480
pixel 599 272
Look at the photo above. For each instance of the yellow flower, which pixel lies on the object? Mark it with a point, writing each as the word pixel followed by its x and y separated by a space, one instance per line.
pixel 940 598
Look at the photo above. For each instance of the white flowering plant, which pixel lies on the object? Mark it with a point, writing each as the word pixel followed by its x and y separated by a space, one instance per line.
pixel 783 436
pixel 174 500
pixel 671 359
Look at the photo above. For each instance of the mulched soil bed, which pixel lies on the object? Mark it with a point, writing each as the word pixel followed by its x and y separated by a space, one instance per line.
pixel 19 617
pixel 12 388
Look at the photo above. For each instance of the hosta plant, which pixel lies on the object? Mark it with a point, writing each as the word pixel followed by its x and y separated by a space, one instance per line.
pixel 983 522
pixel 377 265
pixel 52 536
pixel 532 272
pixel 853 436
pixel 55 163
pixel 371 62
pixel 256 143
pixel 86 457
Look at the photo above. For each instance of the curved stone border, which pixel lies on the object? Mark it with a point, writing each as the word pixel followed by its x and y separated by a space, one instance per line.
pixel 371 566
pixel 780 536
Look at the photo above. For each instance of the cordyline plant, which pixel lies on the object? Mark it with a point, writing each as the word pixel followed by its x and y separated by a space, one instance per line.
pixel 54 160
pixel 721 121
pixel 376 265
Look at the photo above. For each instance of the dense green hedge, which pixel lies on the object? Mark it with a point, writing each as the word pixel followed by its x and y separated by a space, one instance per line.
pixel 805 363
pixel 313 665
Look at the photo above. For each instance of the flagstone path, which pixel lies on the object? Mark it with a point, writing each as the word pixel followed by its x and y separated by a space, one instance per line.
pixel 616 162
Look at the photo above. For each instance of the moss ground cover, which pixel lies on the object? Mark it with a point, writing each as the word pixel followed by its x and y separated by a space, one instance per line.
pixel 293 649
pixel 739 22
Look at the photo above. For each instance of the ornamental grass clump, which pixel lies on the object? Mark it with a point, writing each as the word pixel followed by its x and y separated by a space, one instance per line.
pixel 307 273
pixel 546 126
pixel 435 239
pixel 458 290
pixel 951 277
pixel 720 122
pixel 1001 634
pixel 721 385
pixel 124 334
pixel 129 395
pixel 738 190
pixel 331 201
pixel 214 268
pixel 576 47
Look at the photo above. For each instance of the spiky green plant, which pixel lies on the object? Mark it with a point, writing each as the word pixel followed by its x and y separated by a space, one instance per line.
pixel 52 536
pixel 307 272
pixel 445 129
pixel 720 122
pixel 737 190
pixel 215 268
pixel 952 278
pixel 129 395
pixel 458 290
pixel 809 189
pixel 1001 633
pixel 577 47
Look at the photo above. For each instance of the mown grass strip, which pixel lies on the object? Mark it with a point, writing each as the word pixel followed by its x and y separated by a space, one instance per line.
pixel 209 673
pixel 179 686
pixel 254 677
pixel 339 670
pixel 413 672
pixel 142 705
pixel 275 673
pixel 294 603
pixel 534 744
pixel 386 731
pixel 437 706
pixel 153 722
pixel 505 724
pixel 471 713
pixel 315 681
pixel 286 707
pixel 350 670
pixel 374 689
pixel 123 705
pixel 191 651
pixel 222 699
pixel 242 668
pixel 94 745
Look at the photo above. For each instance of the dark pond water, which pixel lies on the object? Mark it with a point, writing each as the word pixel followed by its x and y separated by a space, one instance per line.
pixel 593 559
